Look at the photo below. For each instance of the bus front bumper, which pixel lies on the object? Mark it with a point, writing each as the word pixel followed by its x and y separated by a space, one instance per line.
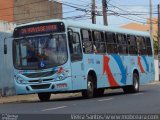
pixel 53 87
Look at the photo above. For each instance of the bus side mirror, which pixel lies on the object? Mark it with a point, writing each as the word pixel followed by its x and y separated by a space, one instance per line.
pixel 5 45
pixel 5 49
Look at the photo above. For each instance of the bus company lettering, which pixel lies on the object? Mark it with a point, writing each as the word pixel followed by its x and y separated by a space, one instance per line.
pixel 90 61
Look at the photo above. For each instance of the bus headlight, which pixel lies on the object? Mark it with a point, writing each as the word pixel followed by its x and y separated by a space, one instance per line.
pixel 20 80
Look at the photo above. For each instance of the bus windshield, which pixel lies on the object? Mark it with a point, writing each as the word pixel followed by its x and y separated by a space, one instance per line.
pixel 40 52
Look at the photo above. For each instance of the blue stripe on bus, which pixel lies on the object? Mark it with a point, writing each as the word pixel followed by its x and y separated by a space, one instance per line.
pixel 147 65
pixel 121 67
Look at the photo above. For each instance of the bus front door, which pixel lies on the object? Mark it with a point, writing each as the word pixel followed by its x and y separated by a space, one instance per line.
pixel 76 61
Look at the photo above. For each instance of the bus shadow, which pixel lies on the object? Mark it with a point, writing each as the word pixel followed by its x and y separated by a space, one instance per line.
pixel 80 98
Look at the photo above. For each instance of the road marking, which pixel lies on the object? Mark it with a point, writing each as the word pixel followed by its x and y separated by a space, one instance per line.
pixel 138 94
pixel 105 99
pixel 54 108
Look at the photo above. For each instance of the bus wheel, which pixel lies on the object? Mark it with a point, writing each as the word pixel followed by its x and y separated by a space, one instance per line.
pixel 44 96
pixel 133 88
pixel 90 88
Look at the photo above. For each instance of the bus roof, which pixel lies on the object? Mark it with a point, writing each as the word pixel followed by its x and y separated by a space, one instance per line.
pixel 71 23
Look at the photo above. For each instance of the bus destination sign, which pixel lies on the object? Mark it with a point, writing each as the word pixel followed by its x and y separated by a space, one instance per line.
pixel 39 29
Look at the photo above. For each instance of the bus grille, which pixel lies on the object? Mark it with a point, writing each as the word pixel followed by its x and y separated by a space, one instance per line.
pixel 42 74
pixel 37 81
pixel 45 86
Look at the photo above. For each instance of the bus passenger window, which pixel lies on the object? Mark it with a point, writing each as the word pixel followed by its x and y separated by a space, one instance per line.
pixel 132 45
pixel 148 45
pixel 99 43
pixel 87 41
pixel 111 42
pixel 122 44
pixel 141 45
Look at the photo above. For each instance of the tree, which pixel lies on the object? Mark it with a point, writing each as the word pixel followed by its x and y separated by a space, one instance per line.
pixel 155 44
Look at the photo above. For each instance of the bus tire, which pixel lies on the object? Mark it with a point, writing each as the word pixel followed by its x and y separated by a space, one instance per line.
pixel 133 88
pixel 89 92
pixel 44 96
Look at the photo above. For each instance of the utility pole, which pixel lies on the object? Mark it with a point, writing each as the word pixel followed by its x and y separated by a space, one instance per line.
pixel 93 10
pixel 104 7
pixel 151 18
pixel 159 39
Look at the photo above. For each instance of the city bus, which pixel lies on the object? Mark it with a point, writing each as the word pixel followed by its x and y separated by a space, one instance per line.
pixel 60 56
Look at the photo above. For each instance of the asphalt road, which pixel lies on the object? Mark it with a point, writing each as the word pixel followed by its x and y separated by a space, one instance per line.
pixel 114 101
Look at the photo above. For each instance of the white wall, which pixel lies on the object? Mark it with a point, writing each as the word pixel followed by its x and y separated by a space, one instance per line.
pixel 6 27
pixel 156 70
pixel 6 66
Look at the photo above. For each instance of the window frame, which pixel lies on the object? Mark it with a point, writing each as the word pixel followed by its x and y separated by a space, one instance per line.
pixel 121 44
pixel 89 39
pixel 149 46
pixel 133 54
pixel 109 43
pixel 140 50
pixel 100 41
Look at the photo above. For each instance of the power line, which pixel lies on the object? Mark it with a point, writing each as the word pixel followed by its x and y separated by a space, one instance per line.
pixel 129 12
pixel 82 1
pixel 77 8
pixel 71 3
pixel 117 14
pixel 137 5
pixel 131 19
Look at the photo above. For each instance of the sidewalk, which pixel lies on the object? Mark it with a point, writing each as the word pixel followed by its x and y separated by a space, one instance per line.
pixel 34 97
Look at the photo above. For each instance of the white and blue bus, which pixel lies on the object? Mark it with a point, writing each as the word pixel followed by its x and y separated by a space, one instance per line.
pixel 58 56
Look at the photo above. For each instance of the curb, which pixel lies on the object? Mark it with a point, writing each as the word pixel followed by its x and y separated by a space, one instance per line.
pixel 34 98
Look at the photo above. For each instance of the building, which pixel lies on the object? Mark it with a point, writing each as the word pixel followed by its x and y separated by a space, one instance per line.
pixel 24 11
pixel 144 27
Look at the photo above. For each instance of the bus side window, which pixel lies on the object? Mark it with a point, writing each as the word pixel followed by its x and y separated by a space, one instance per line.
pixel 148 45
pixel 132 45
pixel 98 42
pixel 122 44
pixel 141 45
pixel 87 41
pixel 75 47
pixel 111 42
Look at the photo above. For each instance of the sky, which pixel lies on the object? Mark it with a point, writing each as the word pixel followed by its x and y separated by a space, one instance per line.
pixel 123 9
